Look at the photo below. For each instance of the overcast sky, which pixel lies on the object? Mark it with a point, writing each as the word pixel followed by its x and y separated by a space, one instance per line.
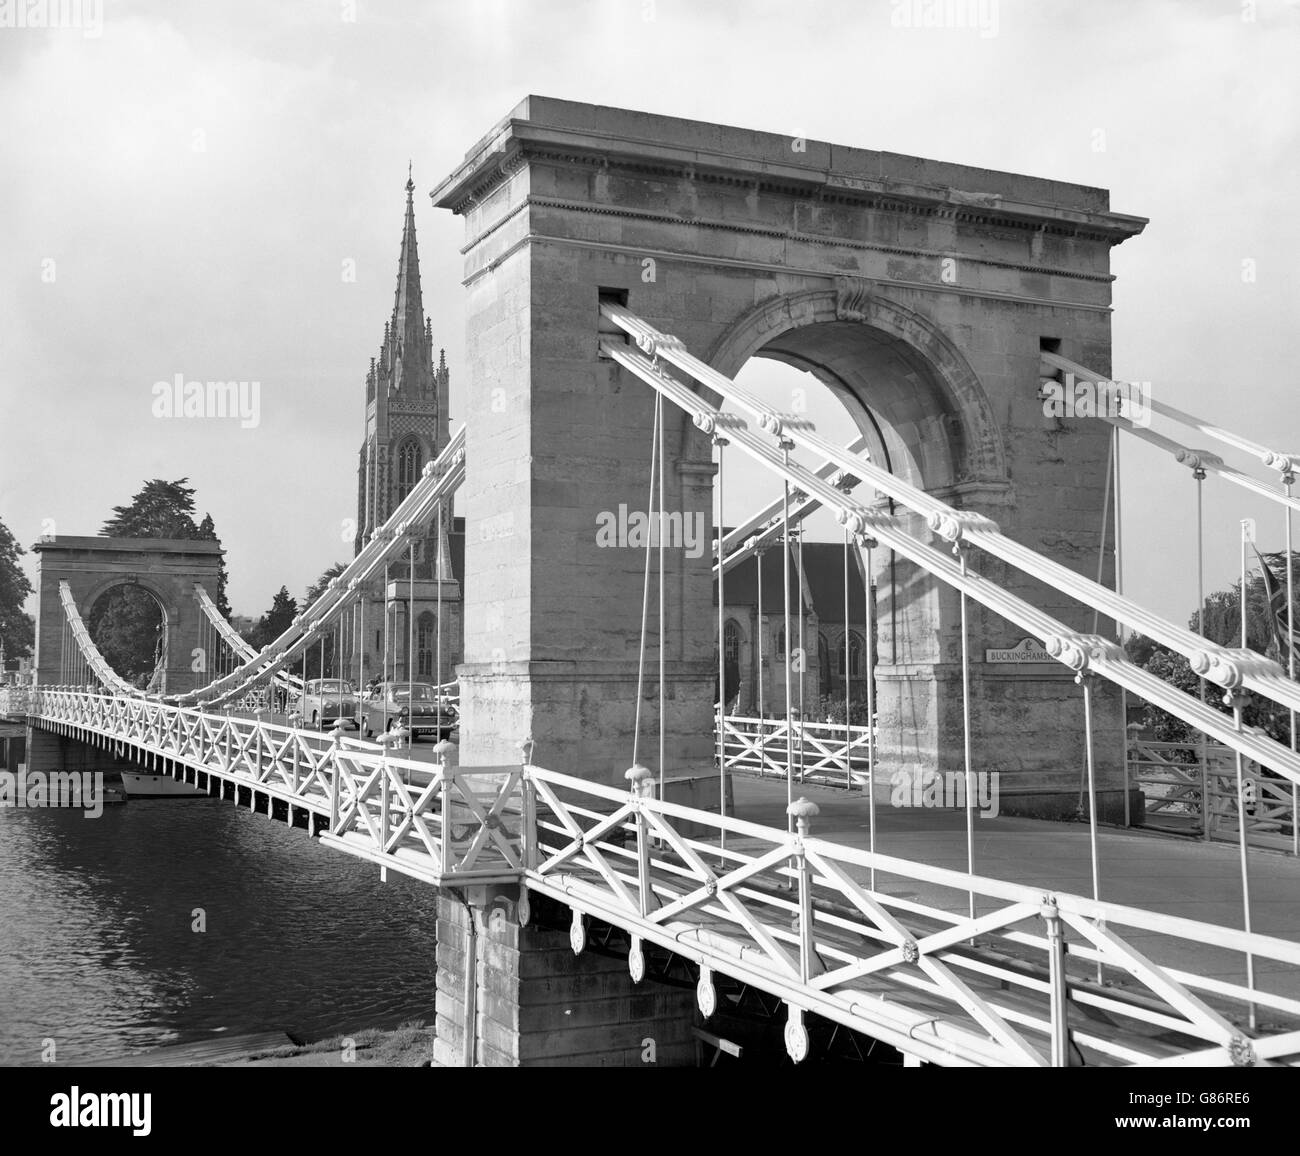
pixel 180 194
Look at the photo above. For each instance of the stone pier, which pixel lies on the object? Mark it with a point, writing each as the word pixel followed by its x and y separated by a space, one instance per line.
pixel 537 1004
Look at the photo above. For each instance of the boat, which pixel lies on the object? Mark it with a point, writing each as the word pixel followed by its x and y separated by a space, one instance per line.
pixel 145 785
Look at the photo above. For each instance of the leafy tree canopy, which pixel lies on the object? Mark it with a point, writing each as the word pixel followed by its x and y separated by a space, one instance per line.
pixel 165 509
pixel 17 628
pixel 1265 632
pixel 317 588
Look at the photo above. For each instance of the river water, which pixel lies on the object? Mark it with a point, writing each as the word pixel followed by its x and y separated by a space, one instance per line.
pixel 99 951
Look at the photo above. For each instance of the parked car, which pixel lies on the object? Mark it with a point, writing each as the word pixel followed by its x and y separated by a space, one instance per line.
pixel 325 699
pixel 414 705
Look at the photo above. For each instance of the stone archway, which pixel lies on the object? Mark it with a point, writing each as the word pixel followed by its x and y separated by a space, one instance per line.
pixel 165 567
pixel 940 283
pixel 928 420
pixel 879 356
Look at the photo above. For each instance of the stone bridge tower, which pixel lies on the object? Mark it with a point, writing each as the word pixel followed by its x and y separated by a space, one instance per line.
pixel 165 568
pixel 920 292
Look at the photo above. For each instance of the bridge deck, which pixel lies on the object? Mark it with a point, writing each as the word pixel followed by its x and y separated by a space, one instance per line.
pixel 1161 873
pixel 999 975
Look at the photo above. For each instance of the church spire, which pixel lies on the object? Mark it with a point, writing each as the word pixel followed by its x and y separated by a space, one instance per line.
pixel 408 325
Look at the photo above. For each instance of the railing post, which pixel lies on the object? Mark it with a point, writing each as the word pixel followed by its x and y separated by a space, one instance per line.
pixel 1205 792
pixel 444 790
pixel 1056 981
pixel 637 777
pixel 230 764
pixel 803 811
pixel 527 809
pixel 257 762
pixel 335 774
pixel 384 821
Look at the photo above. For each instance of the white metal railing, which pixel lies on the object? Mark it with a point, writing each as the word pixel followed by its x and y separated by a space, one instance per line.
pixel 13 700
pixel 423 819
pixel 1190 789
pixel 803 919
pixel 829 753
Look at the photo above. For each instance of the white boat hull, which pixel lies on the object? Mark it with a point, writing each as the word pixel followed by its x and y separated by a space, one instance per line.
pixel 139 785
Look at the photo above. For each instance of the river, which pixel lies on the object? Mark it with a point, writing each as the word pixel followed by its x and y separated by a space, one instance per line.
pixel 100 949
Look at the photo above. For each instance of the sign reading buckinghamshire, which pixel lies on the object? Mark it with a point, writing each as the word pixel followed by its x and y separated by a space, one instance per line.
pixel 1026 650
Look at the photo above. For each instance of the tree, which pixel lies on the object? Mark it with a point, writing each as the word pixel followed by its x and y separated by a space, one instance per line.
pixel 272 624
pixel 125 622
pixel 1265 631
pixel 160 510
pixel 17 628
pixel 1140 648
pixel 317 588
pixel 127 626
pixel 207 532
pixel 323 656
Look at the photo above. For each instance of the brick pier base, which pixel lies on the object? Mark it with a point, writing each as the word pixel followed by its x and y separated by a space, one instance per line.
pixel 538 1004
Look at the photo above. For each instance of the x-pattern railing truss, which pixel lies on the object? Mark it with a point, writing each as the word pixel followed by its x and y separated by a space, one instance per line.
pixel 1204 793
pixel 821 750
pixel 435 822
pixel 799 917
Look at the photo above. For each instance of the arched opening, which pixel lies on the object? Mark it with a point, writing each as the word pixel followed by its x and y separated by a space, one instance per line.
pixel 732 643
pixel 854 668
pixel 128 624
pixel 862 366
pixel 426 628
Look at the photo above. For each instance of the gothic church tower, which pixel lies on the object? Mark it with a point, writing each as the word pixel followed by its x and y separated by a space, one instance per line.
pixel 406 427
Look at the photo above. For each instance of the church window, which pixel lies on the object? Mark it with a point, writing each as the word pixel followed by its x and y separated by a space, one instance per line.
pixel 410 461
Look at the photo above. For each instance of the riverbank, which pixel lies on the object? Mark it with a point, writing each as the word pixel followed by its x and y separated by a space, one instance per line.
pixel 407 1046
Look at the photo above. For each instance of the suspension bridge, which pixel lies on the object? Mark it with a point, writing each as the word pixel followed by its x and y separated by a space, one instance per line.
pixel 620 268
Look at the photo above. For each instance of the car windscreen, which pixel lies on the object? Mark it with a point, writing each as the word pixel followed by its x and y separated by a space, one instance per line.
pixel 415 693
pixel 332 686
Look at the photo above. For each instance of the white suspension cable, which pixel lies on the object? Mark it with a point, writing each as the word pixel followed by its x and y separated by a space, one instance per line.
pixel 719 528
pixel 848 673
pixel 869 614
pixel 1264 677
pixel 663 593
pixel 645 589
pixel 789 638
pixel 1242 668
pixel 966 738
